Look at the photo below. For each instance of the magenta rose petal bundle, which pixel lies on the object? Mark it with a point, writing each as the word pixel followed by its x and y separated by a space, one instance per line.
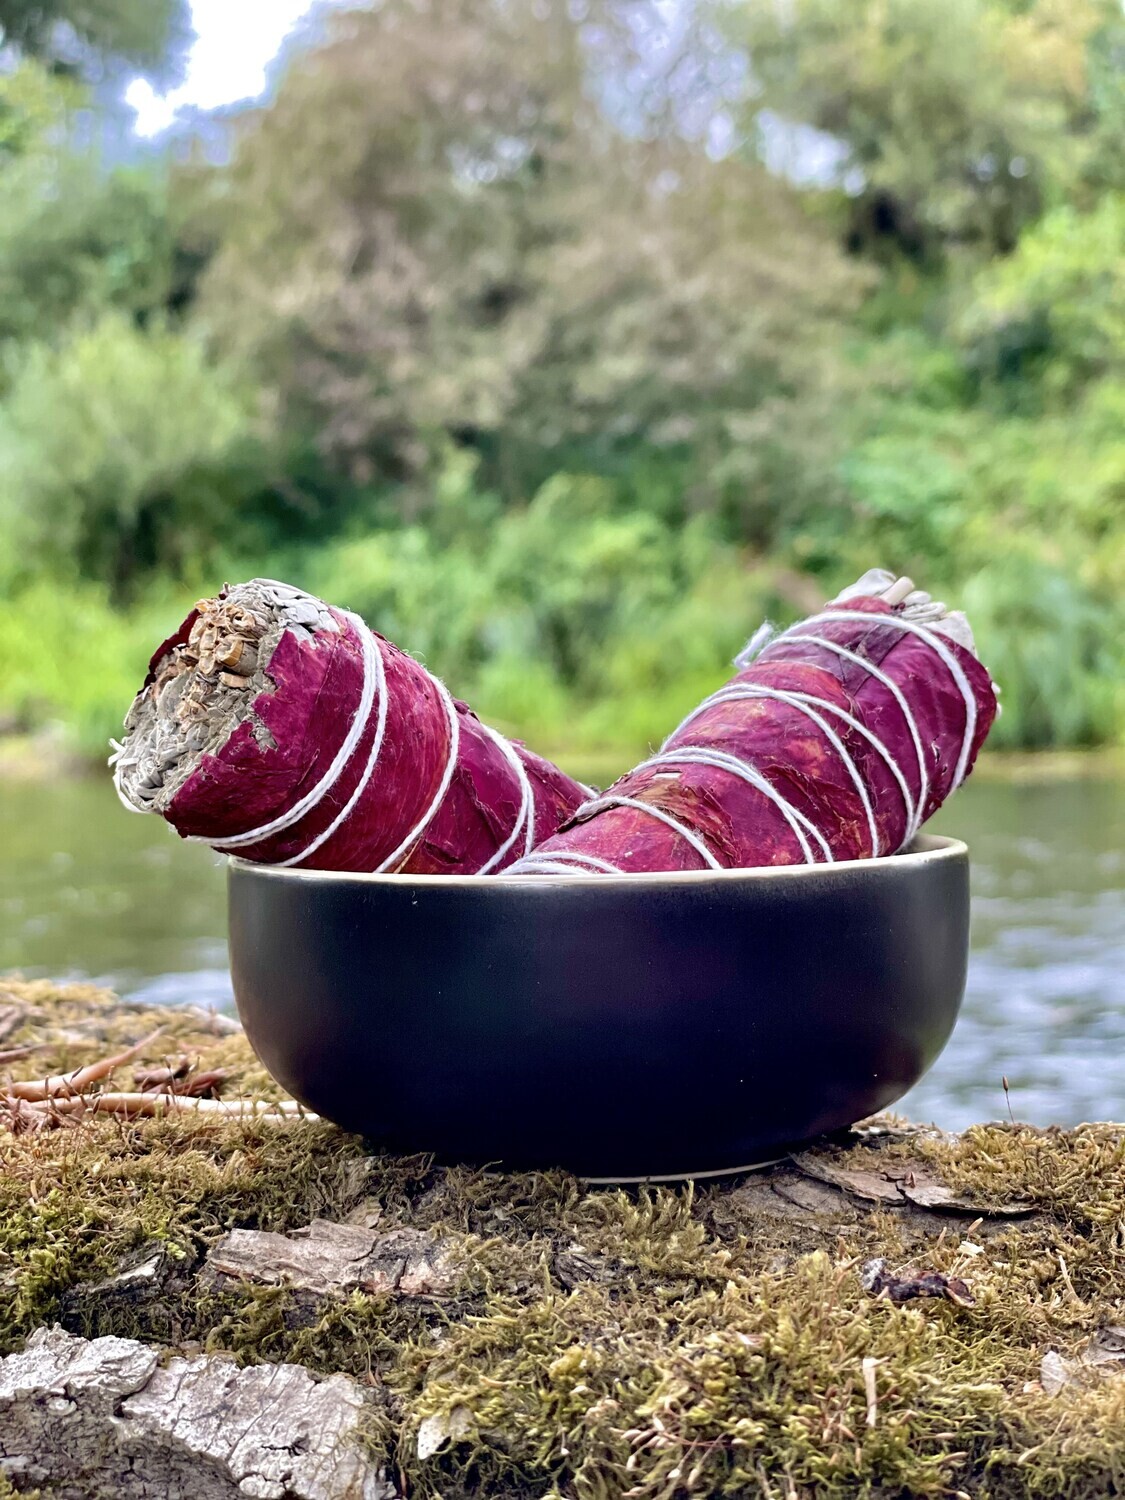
pixel 277 727
pixel 835 741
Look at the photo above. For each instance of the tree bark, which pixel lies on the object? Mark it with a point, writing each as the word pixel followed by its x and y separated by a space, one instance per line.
pixel 105 1419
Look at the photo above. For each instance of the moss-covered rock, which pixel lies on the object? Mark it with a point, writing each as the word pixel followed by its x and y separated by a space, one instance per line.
pixel 655 1342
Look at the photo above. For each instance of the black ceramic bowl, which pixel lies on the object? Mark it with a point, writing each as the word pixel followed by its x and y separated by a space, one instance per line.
pixel 642 1026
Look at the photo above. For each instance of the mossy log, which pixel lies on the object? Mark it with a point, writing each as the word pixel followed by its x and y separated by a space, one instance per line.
pixel 896 1312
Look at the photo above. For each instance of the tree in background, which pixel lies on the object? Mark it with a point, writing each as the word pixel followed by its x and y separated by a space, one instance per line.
pixel 122 451
pixel 438 229
pixel 972 144
pixel 958 120
pixel 78 236
pixel 566 339
pixel 82 36
pixel 122 444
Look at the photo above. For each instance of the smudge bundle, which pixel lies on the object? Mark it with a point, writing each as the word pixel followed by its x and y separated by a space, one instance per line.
pixel 274 726
pixel 281 728
pixel 836 740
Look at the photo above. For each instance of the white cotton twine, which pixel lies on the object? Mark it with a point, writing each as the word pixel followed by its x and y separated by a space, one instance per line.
pixel 420 827
pixel 372 676
pixel 525 818
pixel 612 800
pixel 765 637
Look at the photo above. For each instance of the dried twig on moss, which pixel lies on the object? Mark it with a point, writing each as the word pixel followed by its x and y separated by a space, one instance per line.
pixel 153 1106
pixel 69 1085
pixel 178 1085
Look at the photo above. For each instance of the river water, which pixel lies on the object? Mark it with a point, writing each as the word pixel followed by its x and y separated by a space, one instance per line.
pixel 88 890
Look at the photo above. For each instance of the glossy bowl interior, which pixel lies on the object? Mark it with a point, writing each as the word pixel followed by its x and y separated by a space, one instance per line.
pixel 636 1027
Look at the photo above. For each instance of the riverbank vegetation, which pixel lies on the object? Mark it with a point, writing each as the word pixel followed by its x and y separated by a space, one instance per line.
pixel 565 347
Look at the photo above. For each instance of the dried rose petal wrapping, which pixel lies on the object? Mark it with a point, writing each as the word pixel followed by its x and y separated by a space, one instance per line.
pixel 835 741
pixel 337 751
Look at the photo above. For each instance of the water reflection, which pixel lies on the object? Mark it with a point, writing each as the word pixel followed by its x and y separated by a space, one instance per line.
pixel 87 890
pixel 1045 1004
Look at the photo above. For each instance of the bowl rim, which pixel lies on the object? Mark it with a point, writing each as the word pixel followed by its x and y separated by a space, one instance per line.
pixel 926 849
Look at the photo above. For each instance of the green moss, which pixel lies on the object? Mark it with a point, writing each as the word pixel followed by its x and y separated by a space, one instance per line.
pixel 9 1492
pixel 654 1343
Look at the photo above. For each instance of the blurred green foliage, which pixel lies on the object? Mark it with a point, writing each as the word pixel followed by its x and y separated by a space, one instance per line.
pixel 478 332
pixel 87 36
pixel 119 455
pixel 957 121
pixel 1049 319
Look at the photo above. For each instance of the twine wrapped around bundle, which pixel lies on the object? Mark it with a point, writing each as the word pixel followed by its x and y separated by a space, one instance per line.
pixel 836 740
pixel 274 726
